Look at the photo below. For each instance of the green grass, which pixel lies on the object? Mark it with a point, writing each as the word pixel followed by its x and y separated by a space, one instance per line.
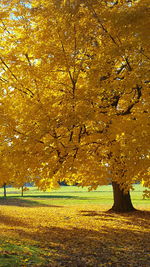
pixel 72 195
pixel 14 254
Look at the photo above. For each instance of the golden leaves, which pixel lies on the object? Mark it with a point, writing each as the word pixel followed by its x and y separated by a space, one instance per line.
pixel 81 235
pixel 75 90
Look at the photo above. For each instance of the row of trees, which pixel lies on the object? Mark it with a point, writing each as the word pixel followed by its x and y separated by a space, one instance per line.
pixel 23 189
pixel 74 100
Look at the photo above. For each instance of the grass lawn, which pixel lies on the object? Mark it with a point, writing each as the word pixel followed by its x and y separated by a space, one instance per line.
pixel 70 227
pixel 73 195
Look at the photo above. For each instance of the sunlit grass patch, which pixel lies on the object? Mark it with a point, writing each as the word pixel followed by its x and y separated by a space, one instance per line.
pixel 15 252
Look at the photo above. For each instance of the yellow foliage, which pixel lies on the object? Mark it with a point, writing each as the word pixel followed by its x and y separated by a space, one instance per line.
pixel 74 100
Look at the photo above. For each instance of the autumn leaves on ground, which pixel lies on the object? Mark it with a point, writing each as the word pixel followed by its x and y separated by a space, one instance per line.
pixel 35 233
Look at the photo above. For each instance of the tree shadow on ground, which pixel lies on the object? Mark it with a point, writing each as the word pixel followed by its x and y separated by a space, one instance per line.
pixel 60 197
pixel 51 196
pixel 80 247
pixel 112 244
pixel 138 217
pixel 16 201
pixel 27 200
pixel 11 221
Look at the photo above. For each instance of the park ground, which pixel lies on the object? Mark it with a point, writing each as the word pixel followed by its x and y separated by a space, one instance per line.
pixel 71 227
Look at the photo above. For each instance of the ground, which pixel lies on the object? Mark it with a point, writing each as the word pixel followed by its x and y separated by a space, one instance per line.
pixel 70 227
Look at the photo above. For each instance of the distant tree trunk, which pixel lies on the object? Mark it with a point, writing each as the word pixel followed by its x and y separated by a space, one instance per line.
pixel 4 186
pixel 22 191
pixel 122 201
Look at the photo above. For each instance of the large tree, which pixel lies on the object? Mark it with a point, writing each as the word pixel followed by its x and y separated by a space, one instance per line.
pixel 75 93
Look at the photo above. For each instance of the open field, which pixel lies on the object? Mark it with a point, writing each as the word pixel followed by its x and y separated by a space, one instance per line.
pixel 70 227
pixel 73 195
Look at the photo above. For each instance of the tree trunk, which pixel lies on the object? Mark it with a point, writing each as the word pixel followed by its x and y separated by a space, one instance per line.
pixel 122 201
pixel 4 186
pixel 22 191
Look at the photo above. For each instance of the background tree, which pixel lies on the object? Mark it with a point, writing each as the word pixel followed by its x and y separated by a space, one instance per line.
pixel 75 92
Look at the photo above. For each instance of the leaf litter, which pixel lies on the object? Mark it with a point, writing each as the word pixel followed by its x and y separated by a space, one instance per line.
pixel 73 236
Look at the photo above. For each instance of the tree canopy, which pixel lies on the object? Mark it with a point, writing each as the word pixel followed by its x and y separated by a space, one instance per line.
pixel 75 99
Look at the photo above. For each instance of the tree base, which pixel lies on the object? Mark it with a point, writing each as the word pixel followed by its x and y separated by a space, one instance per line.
pixel 122 201
pixel 118 210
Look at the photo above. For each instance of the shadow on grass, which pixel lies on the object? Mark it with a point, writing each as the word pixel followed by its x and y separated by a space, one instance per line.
pixel 16 201
pixel 59 197
pixel 33 200
pixel 50 196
